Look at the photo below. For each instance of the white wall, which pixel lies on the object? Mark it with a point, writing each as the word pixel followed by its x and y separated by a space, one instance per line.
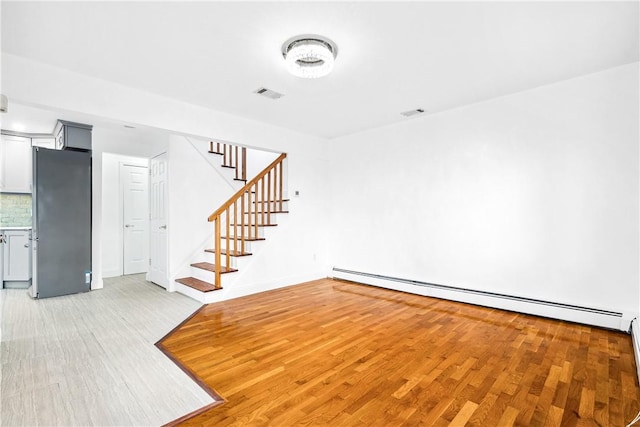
pixel 112 231
pixel 195 191
pixel 258 160
pixel 534 195
pixel 29 82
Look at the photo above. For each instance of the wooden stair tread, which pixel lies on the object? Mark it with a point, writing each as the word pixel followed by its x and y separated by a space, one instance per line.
pixel 231 252
pixel 197 284
pixel 210 267
pixel 246 239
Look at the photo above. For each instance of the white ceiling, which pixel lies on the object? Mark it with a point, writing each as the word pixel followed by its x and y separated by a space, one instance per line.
pixel 392 56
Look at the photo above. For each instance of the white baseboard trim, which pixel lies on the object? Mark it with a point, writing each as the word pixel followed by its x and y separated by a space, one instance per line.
pixel 239 290
pixel 635 336
pixel 585 315
pixel 111 273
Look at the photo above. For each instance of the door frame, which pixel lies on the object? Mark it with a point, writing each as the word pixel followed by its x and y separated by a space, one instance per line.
pixel 168 283
pixel 111 211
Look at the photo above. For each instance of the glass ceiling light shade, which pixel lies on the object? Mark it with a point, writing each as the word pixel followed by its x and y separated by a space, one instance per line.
pixel 309 56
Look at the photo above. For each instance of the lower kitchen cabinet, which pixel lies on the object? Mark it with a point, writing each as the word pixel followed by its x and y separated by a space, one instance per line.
pixel 17 257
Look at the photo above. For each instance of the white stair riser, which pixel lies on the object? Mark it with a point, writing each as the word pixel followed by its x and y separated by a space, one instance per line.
pixel 235 262
pixel 190 292
pixel 247 245
pixel 210 257
pixel 223 231
pixel 207 276
pixel 267 219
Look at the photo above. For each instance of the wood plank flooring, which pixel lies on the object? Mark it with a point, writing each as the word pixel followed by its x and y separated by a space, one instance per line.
pixel 90 359
pixel 336 353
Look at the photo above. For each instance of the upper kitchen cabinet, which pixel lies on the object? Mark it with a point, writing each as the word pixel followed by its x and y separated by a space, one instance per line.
pixel 15 164
pixel 72 136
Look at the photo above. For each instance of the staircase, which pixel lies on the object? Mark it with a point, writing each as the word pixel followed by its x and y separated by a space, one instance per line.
pixel 240 222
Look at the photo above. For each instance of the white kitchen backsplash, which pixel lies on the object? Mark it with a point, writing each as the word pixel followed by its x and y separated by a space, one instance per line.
pixel 15 210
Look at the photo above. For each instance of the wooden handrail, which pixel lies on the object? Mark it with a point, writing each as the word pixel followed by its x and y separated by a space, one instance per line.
pixel 254 198
pixel 247 187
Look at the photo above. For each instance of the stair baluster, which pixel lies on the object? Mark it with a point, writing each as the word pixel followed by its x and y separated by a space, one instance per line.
pixel 243 174
pixel 233 156
pixel 257 194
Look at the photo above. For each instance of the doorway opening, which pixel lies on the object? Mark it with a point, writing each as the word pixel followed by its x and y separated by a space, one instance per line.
pixel 125 219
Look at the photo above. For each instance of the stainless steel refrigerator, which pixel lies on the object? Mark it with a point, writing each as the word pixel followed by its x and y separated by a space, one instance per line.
pixel 61 222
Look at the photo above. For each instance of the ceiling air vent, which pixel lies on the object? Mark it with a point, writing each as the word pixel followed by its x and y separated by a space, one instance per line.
pixel 412 113
pixel 271 94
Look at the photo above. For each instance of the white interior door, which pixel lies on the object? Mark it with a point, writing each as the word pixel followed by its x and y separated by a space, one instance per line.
pixel 135 218
pixel 158 222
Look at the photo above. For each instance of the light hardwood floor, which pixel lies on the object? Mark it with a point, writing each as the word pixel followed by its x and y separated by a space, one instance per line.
pixel 335 353
pixel 90 359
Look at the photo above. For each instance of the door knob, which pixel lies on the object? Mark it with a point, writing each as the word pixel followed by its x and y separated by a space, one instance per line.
pixel 26 245
pixel 163 227
pixel 128 225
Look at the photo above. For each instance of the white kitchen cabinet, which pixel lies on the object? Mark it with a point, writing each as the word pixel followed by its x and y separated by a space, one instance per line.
pixel 17 255
pixel 15 164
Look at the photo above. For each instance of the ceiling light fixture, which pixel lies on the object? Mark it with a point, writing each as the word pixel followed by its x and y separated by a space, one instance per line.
pixel 309 56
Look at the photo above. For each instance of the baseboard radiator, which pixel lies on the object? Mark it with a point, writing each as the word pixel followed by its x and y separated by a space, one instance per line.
pixel 555 310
